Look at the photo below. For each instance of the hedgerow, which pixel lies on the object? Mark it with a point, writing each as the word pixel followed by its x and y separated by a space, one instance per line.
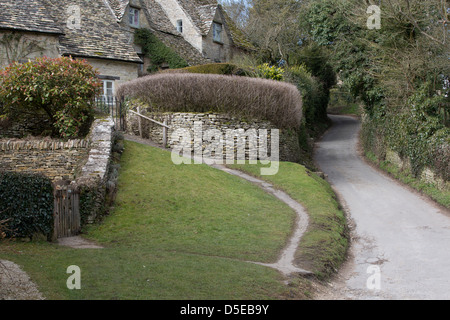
pixel 315 98
pixel 214 68
pixel 250 98
pixel 413 133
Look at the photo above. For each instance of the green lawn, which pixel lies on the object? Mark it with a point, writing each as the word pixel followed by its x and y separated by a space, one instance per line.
pixel 187 232
pixel 176 232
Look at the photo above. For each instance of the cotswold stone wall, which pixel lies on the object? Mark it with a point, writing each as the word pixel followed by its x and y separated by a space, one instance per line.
pixel 82 163
pixel 92 180
pixel 100 146
pixel 55 159
pixel 36 125
pixel 427 176
pixel 288 145
pixel 61 160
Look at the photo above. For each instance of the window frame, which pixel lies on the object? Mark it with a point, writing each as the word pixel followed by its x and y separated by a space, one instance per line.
pixel 180 25
pixel 105 88
pixel 217 37
pixel 133 15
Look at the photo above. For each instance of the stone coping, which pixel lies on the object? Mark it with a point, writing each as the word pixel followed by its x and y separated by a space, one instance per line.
pixel 14 145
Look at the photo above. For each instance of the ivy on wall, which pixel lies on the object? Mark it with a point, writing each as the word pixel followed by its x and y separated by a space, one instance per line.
pixel 157 51
pixel 26 204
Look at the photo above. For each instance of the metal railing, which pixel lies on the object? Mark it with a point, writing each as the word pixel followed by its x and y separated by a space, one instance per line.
pixel 114 107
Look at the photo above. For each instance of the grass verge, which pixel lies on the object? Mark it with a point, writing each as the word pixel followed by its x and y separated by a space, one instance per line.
pixel 323 247
pixel 440 196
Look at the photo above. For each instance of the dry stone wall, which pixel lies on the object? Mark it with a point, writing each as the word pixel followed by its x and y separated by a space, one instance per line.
pixel 61 160
pixel 83 163
pixel 289 148
pixel 57 160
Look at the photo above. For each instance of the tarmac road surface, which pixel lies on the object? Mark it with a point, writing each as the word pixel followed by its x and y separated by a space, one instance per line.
pixel 401 241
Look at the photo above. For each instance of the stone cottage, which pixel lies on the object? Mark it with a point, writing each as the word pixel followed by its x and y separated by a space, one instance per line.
pixel 148 14
pixel 207 27
pixel 83 29
pixel 102 32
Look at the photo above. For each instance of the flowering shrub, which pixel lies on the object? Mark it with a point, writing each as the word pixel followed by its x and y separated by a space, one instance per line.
pixel 63 88
pixel 270 72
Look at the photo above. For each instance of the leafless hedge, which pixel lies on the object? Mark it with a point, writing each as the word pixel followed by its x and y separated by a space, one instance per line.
pixel 247 98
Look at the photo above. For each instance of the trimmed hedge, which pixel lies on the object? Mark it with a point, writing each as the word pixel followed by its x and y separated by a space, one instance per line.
pixel 26 203
pixel 248 98
pixel 214 68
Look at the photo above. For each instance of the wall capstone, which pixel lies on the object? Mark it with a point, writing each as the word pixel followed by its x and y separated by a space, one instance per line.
pixel 91 183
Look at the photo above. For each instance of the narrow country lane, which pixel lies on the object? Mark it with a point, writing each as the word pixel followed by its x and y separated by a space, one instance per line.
pixel 401 241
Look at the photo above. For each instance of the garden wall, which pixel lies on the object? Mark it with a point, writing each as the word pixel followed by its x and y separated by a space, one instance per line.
pixel 57 160
pixel 289 143
pixel 61 160
pixel 84 163
pixel 91 182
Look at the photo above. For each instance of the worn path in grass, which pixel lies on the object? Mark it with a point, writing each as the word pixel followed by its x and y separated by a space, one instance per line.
pixel 400 239
pixel 285 263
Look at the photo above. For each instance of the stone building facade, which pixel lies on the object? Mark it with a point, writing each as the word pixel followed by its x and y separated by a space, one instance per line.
pixel 207 27
pixel 82 29
pixel 102 32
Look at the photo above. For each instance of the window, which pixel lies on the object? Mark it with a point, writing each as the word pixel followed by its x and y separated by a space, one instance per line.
pixel 108 88
pixel 134 17
pixel 108 92
pixel 141 70
pixel 106 99
pixel 180 26
pixel 217 32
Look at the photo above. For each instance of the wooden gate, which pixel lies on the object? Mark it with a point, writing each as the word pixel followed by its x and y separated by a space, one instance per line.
pixel 67 220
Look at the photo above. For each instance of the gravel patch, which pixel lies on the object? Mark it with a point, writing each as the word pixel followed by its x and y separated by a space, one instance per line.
pixel 15 283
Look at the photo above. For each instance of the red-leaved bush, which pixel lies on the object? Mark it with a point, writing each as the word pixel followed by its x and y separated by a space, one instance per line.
pixel 63 88
pixel 248 98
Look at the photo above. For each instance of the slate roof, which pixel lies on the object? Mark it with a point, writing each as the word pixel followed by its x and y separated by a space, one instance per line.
pixel 27 15
pixel 202 13
pixel 118 7
pixel 100 36
pixel 157 17
pixel 237 35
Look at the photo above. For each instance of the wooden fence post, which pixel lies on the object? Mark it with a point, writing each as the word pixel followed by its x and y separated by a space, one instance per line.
pixel 165 134
pixel 139 121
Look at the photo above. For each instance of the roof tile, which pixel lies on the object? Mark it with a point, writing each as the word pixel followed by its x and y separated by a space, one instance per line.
pixel 27 15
